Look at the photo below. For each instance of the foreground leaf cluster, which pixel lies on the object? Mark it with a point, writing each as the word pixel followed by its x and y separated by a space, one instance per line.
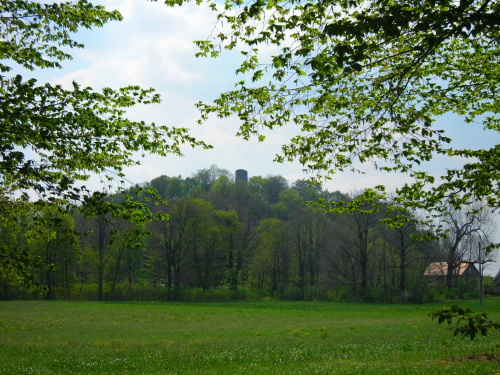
pixel 468 324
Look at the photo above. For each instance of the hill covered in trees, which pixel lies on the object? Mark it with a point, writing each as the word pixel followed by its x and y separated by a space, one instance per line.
pixel 214 238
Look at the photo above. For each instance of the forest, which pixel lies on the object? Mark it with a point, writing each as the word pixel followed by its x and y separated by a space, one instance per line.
pixel 212 238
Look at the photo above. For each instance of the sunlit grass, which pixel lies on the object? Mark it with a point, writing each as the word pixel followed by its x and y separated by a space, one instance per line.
pixel 40 337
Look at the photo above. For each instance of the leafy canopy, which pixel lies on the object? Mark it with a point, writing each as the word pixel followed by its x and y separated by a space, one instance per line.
pixel 364 81
pixel 52 138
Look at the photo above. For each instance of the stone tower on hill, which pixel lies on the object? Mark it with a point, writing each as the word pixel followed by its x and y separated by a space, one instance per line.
pixel 241 175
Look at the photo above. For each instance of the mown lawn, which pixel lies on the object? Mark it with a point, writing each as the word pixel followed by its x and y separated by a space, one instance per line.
pixel 269 337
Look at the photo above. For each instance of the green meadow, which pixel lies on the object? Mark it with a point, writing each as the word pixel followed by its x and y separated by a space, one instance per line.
pixel 268 337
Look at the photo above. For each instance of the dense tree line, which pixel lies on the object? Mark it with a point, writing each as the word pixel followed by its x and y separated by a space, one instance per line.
pixel 216 238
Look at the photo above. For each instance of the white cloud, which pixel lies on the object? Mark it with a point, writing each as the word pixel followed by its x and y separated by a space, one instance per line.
pixel 152 46
pixel 105 73
pixel 351 182
pixel 141 173
pixel 125 7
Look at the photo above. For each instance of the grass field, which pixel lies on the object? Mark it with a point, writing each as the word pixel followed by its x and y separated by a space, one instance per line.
pixel 42 337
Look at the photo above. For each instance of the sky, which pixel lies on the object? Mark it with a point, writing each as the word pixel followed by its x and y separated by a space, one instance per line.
pixel 153 47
